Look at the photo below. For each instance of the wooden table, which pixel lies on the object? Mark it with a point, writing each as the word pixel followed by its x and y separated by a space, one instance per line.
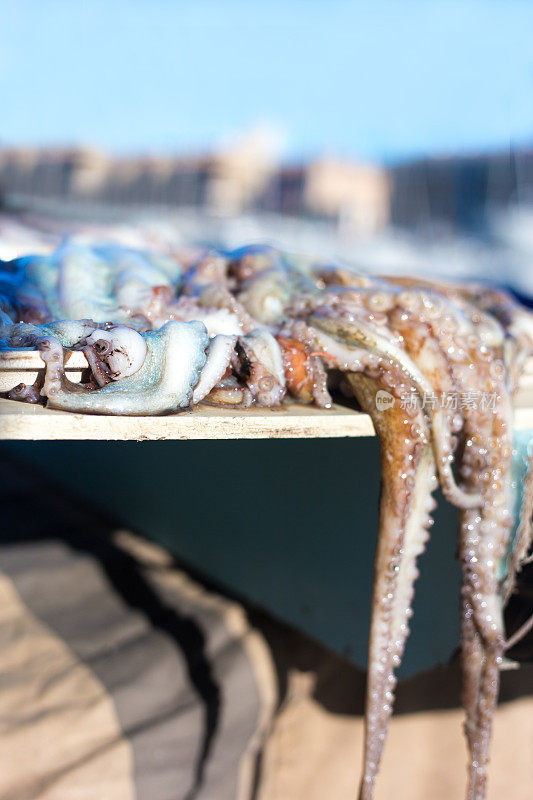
pixel 292 421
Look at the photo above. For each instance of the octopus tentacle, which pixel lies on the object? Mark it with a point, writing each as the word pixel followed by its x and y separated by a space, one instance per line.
pixel 314 385
pixel 484 541
pixel 219 355
pixel 408 478
pixel 259 362
pixel 67 332
pixel 519 634
pixel 481 659
pixel 484 537
pixel 171 368
pixel 472 661
pixel 407 482
pixel 362 334
pixel 481 674
pixel 24 393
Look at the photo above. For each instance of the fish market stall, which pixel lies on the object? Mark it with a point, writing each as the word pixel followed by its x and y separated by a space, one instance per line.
pixel 114 357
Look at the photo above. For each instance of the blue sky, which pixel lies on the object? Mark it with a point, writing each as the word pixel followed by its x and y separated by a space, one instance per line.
pixel 377 80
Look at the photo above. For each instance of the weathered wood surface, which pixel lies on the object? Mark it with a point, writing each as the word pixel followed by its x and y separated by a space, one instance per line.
pixel 25 421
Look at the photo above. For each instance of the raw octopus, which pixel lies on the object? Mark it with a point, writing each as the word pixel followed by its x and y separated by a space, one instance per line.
pixel 434 365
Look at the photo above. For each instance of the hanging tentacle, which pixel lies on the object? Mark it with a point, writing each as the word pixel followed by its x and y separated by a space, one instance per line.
pixel 484 540
pixel 408 478
pixel 365 336
pixel 482 652
pixel 407 482
pixel 472 663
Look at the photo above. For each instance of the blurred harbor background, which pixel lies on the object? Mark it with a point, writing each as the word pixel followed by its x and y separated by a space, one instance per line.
pixel 461 193
pixel 462 216
pixel 397 137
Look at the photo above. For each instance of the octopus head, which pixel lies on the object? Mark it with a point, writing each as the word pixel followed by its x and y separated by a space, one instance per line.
pixel 115 353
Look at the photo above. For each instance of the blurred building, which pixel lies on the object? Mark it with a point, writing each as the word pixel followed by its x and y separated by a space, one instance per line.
pixel 241 171
pixel 460 192
pixel 245 176
pixel 358 195
pixel 38 172
pixel 285 192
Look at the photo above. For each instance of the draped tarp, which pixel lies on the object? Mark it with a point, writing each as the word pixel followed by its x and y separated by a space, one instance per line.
pixel 123 677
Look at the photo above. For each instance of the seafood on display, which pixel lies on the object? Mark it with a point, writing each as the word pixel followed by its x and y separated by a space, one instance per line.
pixel 247 327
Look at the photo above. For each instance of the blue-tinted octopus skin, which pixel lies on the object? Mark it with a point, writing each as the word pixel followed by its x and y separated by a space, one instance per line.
pixel 68 332
pixel 175 357
pixel 153 268
pixel 105 282
pixel 85 285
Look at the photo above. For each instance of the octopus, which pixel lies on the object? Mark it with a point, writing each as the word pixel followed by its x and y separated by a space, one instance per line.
pixel 244 328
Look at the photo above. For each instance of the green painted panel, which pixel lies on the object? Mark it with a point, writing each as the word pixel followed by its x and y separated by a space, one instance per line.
pixel 289 525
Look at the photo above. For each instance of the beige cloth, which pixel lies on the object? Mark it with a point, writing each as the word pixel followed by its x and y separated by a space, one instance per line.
pixel 60 738
pixel 313 754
